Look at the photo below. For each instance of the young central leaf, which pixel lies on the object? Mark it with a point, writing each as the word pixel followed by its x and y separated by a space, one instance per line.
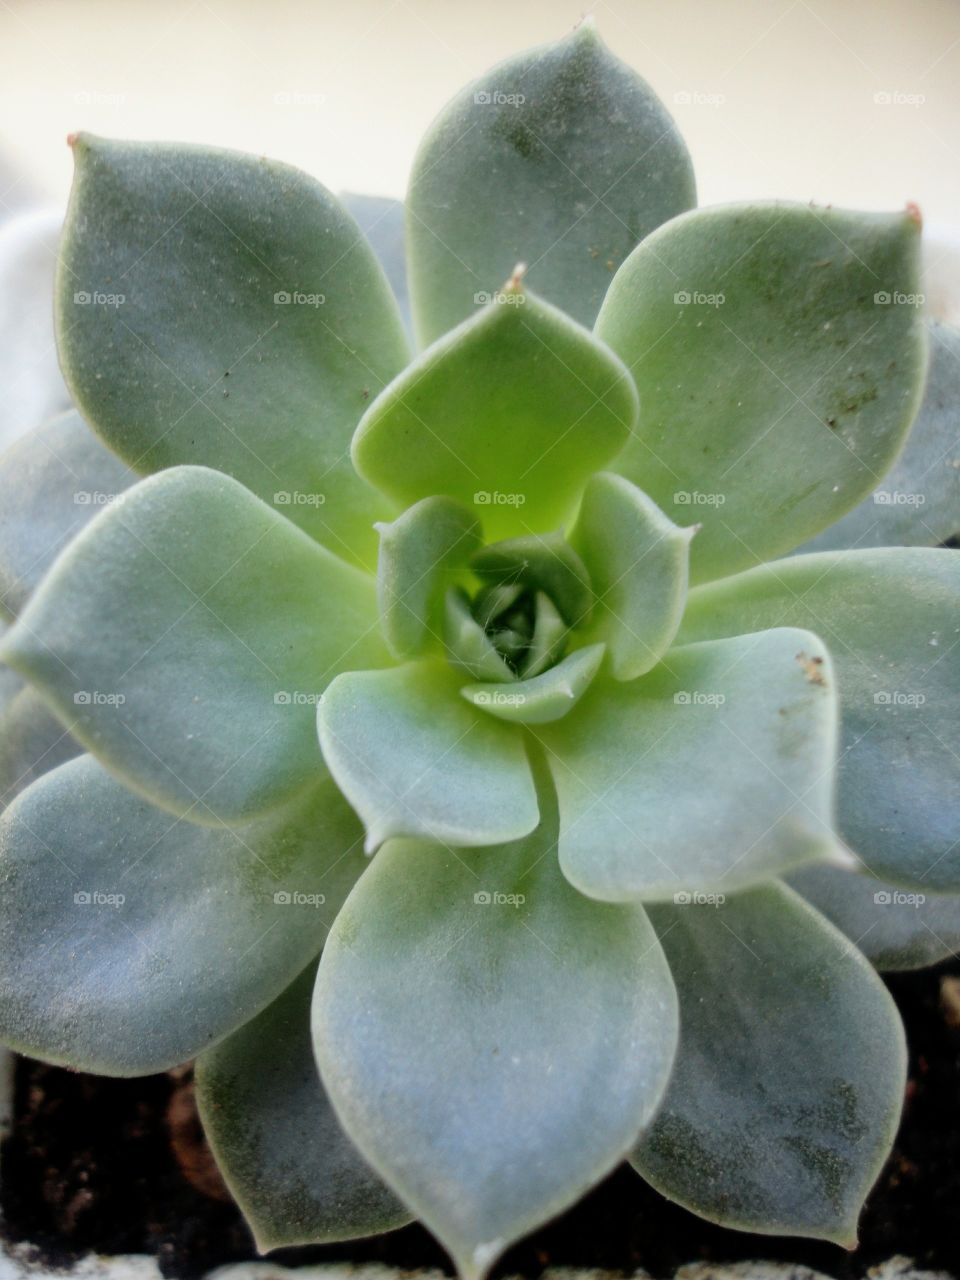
pixel 510 413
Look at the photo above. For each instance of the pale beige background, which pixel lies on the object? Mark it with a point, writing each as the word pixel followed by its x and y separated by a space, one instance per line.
pixel 783 93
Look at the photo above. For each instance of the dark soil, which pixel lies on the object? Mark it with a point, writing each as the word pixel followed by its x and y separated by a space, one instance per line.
pixel 119 1166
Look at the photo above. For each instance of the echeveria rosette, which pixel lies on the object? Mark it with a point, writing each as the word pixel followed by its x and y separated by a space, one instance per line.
pixel 601 753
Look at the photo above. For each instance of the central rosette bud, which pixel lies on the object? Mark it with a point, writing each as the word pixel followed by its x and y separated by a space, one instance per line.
pixel 529 594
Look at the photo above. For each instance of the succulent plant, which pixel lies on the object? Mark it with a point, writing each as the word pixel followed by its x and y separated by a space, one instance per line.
pixel 479 677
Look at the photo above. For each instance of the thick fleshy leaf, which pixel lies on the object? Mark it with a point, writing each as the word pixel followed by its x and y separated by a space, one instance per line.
pixel 469 648
pixel 287 1162
pixel 544 562
pixel 638 562
pixel 894 928
pixel 509 414
pixel 785 1097
pixel 53 481
pixel 918 501
pixel 414 759
pixel 780 357
pixel 540 699
pixel 185 637
pixel 713 771
pixel 131 940
pixel 30 378
pixel 223 309
pixel 419 553
pixel 892 621
pixel 561 157
pixel 381 219
pixel 549 637
pixel 536 1047
pixel 32 741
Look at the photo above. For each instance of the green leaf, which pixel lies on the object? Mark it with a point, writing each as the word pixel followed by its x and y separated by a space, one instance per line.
pixel 33 389
pixel 469 649
pixel 131 940
pixel 786 1094
pixel 419 553
pixel 776 389
pixel 510 413
pixel 543 698
pixel 53 480
pixel 638 563
pixel 536 1048
pixel 222 309
pixel 185 636
pixel 549 636
pixel 413 759
pixel 544 562
pixel 561 157
pixel 918 502
pixel 713 771
pixel 287 1162
pixel 894 928
pixel 32 741
pixel 892 621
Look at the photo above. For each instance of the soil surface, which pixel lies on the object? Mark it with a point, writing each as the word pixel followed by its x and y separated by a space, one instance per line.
pixel 119 1166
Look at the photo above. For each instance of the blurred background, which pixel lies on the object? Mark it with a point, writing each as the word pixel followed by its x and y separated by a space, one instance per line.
pixel 854 102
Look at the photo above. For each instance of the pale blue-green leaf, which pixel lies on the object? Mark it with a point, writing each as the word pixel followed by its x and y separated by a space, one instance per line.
pixel 918 501
pixel 543 698
pixel 509 414
pixel 892 621
pixel 53 480
pixel 381 219
pixel 32 740
pixel 786 1094
pixel 711 772
pixel 777 385
pixel 536 1046
pixel 639 565
pixel 222 309
pixel 894 928
pixel 131 940
pixel 185 635
pixel 294 1173
pixel 561 157
pixel 549 637
pixel 414 759
pixel 419 553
